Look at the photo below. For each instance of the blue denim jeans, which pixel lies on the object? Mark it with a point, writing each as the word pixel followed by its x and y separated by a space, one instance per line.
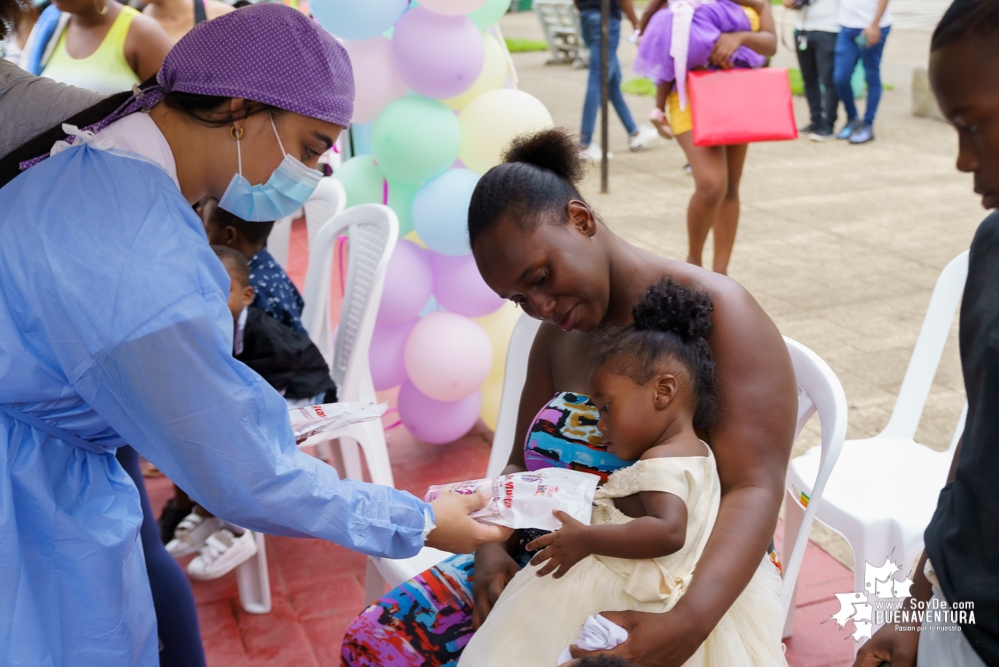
pixel 847 55
pixel 591 36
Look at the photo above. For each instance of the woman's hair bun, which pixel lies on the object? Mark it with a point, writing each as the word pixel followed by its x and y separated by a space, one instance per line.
pixel 671 306
pixel 554 149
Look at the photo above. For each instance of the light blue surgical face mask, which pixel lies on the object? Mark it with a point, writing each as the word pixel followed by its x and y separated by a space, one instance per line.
pixel 291 184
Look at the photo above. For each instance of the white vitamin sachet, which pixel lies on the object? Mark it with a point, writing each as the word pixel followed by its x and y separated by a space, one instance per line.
pixel 526 499
pixel 309 421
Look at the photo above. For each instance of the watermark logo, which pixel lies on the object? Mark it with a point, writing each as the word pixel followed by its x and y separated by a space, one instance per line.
pixel 885 600
pixel 883 593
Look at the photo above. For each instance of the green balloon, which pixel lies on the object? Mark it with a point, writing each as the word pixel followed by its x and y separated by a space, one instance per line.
pixel 400 200
pixel 490 13
pixel 362 179
pixel 415 139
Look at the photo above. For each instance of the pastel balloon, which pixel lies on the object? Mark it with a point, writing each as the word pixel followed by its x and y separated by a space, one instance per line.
pixel 448 356
pixel 495 71
pixel 350 19
pixel 499 327
pixel 400 200
pixel 492 120
pixel 490 13
pixel 436 55
pixel 409 280
pixel 437 422
pixel 452 7
pixel 376 80
pixel 459 287
pixel 440 211
pixel 363 181
pixel 415 139
pixel 386 354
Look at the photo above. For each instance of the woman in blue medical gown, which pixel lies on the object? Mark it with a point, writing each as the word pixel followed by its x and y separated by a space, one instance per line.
pixel 114 329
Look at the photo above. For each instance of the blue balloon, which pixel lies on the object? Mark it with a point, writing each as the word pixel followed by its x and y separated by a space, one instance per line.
pixel 356 19
pixel 440 211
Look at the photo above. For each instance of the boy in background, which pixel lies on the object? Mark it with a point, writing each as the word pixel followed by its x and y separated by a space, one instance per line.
pixel 276 295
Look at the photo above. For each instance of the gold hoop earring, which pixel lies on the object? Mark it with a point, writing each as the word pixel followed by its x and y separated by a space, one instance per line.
pixel 236 132
pixel 103 11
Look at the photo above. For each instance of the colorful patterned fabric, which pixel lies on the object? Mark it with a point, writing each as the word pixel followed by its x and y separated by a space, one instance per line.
pixel 276 294
pixel 564 435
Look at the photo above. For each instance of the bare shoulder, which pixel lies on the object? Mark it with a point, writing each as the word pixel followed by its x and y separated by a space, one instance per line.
pixel 215 9
pixel 144 26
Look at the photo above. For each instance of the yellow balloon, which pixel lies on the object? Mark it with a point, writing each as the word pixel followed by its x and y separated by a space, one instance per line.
pixel 492 120
pixel 499 327
pixel 493 76
pixel 415 238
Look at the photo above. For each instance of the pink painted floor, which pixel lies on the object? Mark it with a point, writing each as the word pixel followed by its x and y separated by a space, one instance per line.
pixel 317 587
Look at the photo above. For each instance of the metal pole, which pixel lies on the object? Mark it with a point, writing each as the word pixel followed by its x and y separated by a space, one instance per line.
pixel 604 89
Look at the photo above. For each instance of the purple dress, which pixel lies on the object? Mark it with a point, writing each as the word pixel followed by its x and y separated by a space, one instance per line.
pixel 708 23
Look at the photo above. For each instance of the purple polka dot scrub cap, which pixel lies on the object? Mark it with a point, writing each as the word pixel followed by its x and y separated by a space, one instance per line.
pixel 267 53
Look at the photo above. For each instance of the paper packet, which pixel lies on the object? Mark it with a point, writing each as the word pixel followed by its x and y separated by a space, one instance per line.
pixel 309 421
pixel 526 499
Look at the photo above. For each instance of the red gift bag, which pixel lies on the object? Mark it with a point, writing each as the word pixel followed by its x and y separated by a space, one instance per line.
pixel 739 106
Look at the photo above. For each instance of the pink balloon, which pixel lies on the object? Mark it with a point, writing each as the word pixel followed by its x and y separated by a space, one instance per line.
pixel 448 356
pixel 437 56
pixel 375 78
pixel 459 287
pixel 409 280
pixel 437 422
pixel 387 355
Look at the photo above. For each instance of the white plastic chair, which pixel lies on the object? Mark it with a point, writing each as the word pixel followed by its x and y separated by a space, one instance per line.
pixel 327 202
pixel 385 573
pixel 819 390
pixel 373 230
pixel 884 491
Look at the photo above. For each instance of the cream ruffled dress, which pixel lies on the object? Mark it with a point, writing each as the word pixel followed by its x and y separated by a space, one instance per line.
pixel 537 617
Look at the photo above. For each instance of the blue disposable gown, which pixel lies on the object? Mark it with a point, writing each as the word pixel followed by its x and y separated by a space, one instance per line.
pixel 114 327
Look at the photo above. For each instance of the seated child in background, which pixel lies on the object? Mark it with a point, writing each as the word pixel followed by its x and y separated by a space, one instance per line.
pixel 276 295
pixel 290 363
pixel 653 381
pixel 683 37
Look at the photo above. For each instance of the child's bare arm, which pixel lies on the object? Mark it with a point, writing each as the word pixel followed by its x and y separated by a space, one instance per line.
pixel 660 532
pixel 758 5
pixel 650 9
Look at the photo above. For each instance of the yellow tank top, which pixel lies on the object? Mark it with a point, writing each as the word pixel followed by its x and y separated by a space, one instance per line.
pixel 105 70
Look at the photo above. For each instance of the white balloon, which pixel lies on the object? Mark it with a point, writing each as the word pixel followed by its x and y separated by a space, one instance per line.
pixel 453 7
pixel 492 120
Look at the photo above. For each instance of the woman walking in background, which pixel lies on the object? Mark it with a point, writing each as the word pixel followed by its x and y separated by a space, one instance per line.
pixel 717 170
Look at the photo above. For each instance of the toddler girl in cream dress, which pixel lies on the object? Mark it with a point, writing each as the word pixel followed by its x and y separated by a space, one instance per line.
pixel 653 381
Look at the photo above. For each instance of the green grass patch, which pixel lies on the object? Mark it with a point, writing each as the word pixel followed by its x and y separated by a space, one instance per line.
pixel 525 45
pixel 639 86
pixel 797 83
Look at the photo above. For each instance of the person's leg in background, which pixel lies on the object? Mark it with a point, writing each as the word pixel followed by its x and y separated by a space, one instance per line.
pixel 871 58
pixel 810 77
pixel 636 139
pixel 176 614
pixel 590 22
pixel 824 45
pixel 707 165
pixel 728 215
pixel 846 57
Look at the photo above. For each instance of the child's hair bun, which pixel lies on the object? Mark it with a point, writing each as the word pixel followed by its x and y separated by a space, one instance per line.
pixel 553 149
pixel 671 306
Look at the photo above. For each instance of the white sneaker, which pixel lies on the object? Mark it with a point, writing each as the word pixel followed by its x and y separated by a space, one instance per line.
pixel 642 138
pixel 191 533
pixel 223 552
pixel 593 153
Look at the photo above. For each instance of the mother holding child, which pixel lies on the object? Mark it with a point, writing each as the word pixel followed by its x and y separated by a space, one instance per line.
pixel 670 353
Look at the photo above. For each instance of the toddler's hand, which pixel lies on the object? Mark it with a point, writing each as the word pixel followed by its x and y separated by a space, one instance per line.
pixel 563 548
pixel 724 49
